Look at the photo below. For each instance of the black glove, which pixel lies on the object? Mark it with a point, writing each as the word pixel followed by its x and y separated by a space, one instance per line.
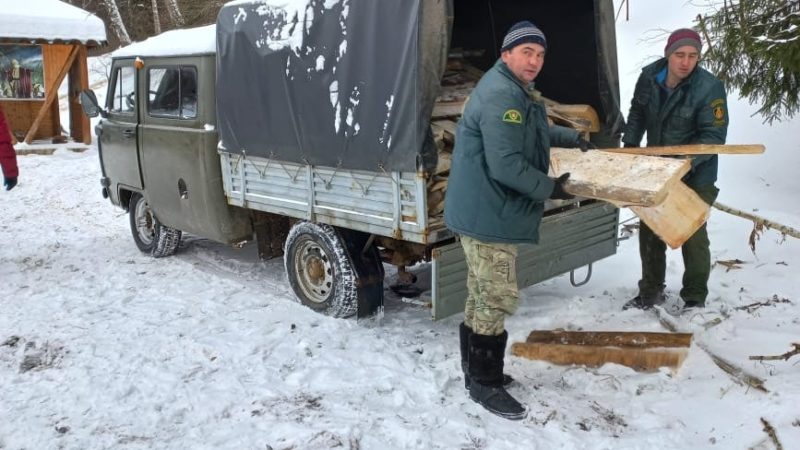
pixel 629 145
pixel 558 190
pixel 585 145
pixel 10 182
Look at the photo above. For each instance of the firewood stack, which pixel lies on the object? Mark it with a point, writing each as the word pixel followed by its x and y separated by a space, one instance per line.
pixel 458 81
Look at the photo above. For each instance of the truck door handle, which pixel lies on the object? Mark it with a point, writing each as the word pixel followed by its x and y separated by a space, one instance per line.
pixel 128 134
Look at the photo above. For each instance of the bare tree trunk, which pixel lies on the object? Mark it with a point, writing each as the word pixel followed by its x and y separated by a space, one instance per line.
pixel 156 21
pixel 116 23
pixel 174 13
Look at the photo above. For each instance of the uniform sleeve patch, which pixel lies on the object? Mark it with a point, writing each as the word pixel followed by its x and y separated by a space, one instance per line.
pixel 512 116
pixel 718 108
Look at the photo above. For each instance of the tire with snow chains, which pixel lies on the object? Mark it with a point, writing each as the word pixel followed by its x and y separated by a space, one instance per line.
pixel 150 236
pixel 319 270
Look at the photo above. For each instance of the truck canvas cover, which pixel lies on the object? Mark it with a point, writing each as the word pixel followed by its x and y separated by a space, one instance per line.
pixel 340 83
pixel 352 83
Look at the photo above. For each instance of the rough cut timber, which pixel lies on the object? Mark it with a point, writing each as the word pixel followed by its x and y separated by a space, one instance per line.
pixel 644 352
pixel 621 179
pixel 580 117
pixel 695 149
pixel 677 218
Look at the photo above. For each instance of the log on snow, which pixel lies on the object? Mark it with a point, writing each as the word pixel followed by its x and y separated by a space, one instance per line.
pixel 645 352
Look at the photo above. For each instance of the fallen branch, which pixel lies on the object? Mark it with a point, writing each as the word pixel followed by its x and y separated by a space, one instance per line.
pixel 784 356
pixel 785 229
pixel 730 263
pixel 736 373
pixel 771 302
pixel 770 430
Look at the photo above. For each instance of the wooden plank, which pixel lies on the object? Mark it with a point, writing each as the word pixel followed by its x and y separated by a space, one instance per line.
pixel 622 179
pixel 678 217
pixel 51 94
pixel 695 149
pixel 636 339
pixel 639 359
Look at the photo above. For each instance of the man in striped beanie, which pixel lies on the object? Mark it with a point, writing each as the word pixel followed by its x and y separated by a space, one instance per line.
pixel 500 161
pixel 677 102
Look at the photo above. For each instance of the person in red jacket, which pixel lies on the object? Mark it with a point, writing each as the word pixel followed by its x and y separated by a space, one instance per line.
pixel 8 157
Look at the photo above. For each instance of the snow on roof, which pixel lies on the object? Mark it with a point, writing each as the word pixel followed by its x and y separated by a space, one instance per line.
pixel 191 41
pixel 49 20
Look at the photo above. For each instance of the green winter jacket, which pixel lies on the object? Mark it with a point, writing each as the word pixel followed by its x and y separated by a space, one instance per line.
pixel 498 180
pixel 694 113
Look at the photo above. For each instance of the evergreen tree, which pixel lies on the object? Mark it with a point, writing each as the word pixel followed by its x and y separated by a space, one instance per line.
pixel 754 46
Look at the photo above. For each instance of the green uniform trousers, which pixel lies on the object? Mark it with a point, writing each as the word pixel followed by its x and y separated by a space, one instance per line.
pixel 696 257
pixel 491 285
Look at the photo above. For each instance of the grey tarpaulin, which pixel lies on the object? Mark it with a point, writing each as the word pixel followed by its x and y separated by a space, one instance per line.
pixel 334 83
pixel 352 83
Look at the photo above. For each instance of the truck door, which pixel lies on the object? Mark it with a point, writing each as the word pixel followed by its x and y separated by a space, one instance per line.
pixel 119 137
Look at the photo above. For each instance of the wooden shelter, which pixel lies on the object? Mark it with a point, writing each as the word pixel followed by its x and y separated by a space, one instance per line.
pixel 42 42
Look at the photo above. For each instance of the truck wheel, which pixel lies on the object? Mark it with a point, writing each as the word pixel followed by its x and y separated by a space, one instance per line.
pixel 319 270
pixel 150 236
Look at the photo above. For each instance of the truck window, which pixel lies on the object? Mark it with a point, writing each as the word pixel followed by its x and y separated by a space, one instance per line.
pixel 124 98
pixel 172 92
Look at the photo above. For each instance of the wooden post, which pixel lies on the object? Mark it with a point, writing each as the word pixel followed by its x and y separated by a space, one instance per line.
pixel 79 126
pixel 52 94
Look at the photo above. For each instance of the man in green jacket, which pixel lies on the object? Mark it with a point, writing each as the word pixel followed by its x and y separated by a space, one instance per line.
pixel 497 185
pixel 676 102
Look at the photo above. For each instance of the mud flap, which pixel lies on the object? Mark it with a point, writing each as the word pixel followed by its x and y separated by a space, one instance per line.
pixel 369 270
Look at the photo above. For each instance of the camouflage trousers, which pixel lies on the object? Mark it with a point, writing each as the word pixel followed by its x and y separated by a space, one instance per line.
pixel 491 284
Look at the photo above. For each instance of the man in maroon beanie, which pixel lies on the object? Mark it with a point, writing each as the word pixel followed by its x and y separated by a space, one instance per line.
pixel 8 157
pixel 676 102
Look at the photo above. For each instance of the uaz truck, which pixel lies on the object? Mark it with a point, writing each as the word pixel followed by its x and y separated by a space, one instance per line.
pixel 321 130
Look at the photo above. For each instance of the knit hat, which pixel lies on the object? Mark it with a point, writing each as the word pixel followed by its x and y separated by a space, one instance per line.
pixel 521 33
pixel 681 37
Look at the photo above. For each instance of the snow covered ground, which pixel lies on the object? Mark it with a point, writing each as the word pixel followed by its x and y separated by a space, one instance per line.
pixel 103 347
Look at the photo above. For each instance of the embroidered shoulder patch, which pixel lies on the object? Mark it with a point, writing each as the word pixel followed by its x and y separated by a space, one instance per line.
pixel 718 108
pixel 512 116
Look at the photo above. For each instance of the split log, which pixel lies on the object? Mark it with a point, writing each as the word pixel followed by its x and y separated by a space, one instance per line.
pixel 448 109
pixel 622 179
pixel 447 128
pixel 644 352
pixel 678 217
pixel 694 149
pixel 443 163
pixel 580 117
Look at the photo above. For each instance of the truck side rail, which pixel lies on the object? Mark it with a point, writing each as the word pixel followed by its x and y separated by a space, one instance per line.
pixel 391 204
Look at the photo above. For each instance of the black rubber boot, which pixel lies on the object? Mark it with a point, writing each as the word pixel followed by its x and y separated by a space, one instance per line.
pixel 485 367
pixel 464 333
pixel 645 301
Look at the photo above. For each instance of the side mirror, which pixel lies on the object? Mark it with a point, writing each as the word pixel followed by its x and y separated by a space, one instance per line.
pixel 89 103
